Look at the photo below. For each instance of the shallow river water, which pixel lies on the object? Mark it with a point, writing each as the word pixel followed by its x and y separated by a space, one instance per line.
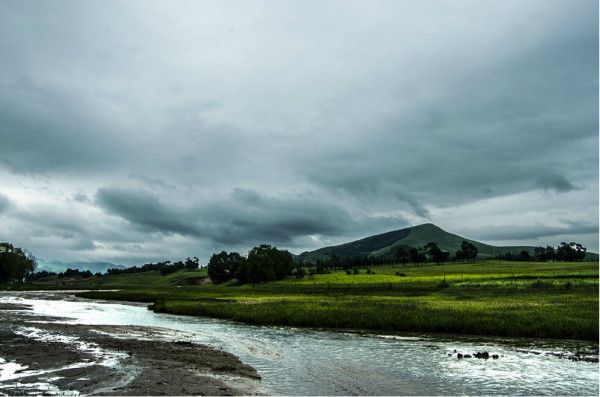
pixel 296 361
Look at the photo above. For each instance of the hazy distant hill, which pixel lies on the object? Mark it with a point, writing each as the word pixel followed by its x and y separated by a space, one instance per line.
pixel 58 266
pixel 385 245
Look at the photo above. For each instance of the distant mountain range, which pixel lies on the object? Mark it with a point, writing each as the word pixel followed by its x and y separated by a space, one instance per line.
pixel 386 244
pixel 59 267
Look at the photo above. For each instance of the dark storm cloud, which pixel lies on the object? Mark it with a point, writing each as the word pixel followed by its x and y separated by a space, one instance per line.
pixel 555 182
pixel 145 210
pixel 243 217
pixel 532 232
pixel 4 203
pixel 249 216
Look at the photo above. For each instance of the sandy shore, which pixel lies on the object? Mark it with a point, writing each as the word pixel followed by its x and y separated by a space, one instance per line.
pixel 38 356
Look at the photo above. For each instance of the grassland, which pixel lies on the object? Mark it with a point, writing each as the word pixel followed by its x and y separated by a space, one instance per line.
pixel 545 300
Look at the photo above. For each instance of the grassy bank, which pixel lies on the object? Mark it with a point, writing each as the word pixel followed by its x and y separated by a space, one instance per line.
pixel 543 300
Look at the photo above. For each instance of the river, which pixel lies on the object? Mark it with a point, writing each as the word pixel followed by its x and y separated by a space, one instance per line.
pixel 295 361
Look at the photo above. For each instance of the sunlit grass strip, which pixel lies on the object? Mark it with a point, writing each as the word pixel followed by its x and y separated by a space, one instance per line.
pixel 532 319
pixel 544 300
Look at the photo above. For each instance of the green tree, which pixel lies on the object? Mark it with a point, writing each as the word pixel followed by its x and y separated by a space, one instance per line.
pixel 192 263
pixel 224 266
pixel 416 255
pixel 435 253
pixel 469 250
pixel 402 255
pixel 550 253
pixel 265 263
pixel 570 252
pixel 539 253
pixel 16 264
pixel 524 256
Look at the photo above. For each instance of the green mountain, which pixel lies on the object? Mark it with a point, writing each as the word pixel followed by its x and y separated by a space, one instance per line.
pixel 386 244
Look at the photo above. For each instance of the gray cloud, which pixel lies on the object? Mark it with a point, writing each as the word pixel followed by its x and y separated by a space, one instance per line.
pixel 253 217
pixel 532 232
pixel 43 131
pixel 4 203
pixel 144 210
pixel 242 217
pixel 555 182
pixel 355 119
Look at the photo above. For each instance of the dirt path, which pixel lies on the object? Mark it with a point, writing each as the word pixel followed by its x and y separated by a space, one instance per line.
pixel 38 356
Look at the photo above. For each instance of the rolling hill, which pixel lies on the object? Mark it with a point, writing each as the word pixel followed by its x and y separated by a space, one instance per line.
pixel 386 244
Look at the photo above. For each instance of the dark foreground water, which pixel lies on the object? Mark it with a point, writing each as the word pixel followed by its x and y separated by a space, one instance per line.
pixel 296 361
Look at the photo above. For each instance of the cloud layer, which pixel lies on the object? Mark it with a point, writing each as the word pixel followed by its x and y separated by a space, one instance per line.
pixel 142 130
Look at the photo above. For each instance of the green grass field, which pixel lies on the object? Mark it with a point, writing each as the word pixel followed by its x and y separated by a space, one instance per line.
pixel 545 300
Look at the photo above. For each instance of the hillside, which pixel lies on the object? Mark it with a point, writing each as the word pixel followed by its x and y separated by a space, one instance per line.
pixel 386 244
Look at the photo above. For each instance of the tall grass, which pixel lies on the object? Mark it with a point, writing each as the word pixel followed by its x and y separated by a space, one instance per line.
pixel 544 300
pixel 512 319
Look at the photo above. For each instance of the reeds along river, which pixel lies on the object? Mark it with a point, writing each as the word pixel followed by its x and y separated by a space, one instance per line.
pixel 295 361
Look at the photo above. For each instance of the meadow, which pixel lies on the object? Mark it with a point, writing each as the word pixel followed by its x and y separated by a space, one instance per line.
pixel 529 299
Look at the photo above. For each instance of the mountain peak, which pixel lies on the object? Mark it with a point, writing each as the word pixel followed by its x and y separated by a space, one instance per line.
pixel 428 225
pixel 385 245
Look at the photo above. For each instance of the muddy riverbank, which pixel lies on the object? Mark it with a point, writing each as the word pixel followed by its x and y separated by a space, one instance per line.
pixel 41 355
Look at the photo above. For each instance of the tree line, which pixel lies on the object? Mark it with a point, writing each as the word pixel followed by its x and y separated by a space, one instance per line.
pixel 163 268
pixel 565 252
pixel 67 273
pixel 267 263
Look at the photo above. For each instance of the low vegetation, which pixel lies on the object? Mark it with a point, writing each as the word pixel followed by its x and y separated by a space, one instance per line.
pixel 421 292
pixel 503 298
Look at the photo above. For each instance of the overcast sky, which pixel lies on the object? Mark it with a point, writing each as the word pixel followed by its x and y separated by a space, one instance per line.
pixel 135 131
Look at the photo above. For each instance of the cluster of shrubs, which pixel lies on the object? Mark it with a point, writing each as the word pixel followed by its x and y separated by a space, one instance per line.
pixel 76 273
pixel 300 271
pixel 356 270
pixel 547 284
pixel 41 275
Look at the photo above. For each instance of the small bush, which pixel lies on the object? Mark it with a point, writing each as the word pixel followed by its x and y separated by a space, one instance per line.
pixel 355 271
pixel 348 271
pixel 299 272
pixel 568 285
